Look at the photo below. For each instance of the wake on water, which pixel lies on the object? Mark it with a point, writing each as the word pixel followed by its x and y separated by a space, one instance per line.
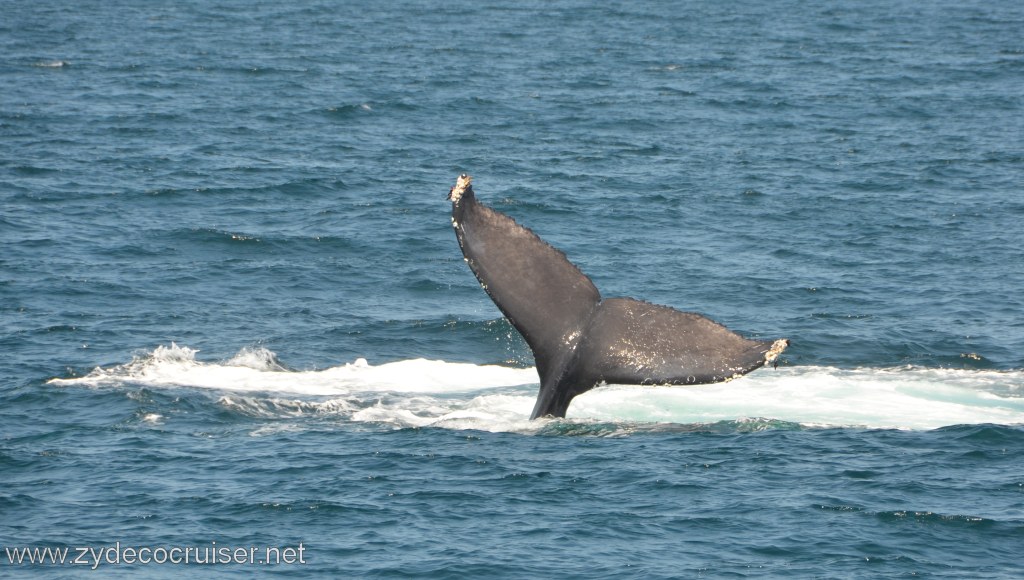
pixel 422 393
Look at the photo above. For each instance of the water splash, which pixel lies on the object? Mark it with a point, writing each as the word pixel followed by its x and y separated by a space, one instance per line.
pixel 434 393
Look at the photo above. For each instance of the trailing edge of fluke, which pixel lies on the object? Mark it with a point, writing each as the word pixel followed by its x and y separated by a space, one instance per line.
pixel 578 339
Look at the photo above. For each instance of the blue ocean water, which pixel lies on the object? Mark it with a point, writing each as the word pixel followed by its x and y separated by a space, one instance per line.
pixel 232 309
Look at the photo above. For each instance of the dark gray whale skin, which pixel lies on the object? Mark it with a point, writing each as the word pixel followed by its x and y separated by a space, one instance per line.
pixel 578 339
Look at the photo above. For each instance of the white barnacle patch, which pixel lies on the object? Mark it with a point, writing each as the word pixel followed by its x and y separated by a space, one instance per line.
pixel 455 223
pixel 777 347
pixel 461 185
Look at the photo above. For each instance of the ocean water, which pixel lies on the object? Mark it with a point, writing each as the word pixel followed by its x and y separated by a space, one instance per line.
pixel 233 313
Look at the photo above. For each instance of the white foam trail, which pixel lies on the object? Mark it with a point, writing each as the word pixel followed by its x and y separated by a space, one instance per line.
pixel 419 393
pixel 821 396
pixel 257 370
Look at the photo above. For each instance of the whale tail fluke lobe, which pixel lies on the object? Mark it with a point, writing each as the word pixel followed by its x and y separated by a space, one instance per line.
pixel 631 342
pixel 578 339
pixel 543 295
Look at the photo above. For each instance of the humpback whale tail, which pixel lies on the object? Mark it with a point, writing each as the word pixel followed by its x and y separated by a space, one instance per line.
pixel 578 339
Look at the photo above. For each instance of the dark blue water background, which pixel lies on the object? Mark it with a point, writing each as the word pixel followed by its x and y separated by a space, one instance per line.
pixel 264 183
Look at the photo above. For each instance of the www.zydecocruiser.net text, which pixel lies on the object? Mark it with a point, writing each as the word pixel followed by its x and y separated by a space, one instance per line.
pixel 118 554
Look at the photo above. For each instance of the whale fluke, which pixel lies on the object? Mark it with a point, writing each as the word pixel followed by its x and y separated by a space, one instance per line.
pixel 578 339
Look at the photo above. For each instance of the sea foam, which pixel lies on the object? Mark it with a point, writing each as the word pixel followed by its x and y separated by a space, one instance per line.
pixel 421 393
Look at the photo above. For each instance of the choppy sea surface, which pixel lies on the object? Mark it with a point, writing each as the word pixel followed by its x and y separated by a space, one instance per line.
pixel 233 313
